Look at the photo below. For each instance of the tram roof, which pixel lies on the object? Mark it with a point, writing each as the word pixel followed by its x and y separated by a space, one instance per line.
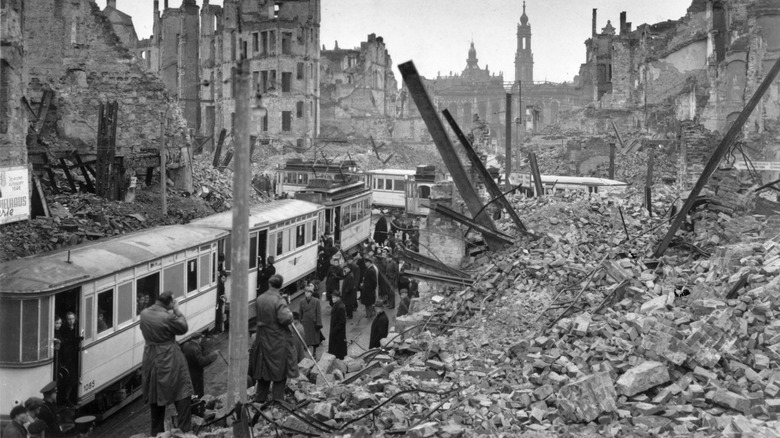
pixel 262 214
pixel 51 272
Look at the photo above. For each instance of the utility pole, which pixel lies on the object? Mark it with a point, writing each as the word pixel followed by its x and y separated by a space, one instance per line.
pixel 508 153
pixel 612 161
pixel 163 163
pixel 238 358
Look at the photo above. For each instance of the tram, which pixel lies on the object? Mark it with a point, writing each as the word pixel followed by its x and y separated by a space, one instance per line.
pixel 402 189
pixel 295 174
pixel 107 283
pixel 564 184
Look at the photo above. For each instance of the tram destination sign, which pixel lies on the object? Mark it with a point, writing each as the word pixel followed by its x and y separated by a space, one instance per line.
pixel 14 194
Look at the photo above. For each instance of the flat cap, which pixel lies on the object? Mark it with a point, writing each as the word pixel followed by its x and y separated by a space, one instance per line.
pixel 49 388
pixel 33 403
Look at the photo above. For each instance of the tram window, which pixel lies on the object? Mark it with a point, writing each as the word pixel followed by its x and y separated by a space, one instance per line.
pixel 30 330
pixel 10 327
pixel 353 212
pixel 253 251
pixel 204 270
pixel 173 279
pixel 43 335
pixel 400 185
pixel 213 269
pixel 388 184
pixel 124 303
pixel 279 242
pixel 300 236
pixel 147 289
pixel 313 230
pixel 425 192
pixel 105 313
pixel 192 275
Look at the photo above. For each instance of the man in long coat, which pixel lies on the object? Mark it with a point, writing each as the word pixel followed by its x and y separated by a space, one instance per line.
pixel 392 273
pixel 379 327
pixel 70 347
pixel 349 288
pixel 380 230
pixel 337 338
pixel 196 361
pixel 332 281
pixel 368 287
pixel 311 318
pixel 166 378
pixel 270 350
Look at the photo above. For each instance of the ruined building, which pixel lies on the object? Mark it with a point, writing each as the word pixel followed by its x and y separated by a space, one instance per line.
pixel 13 77
pixel 195 49
pixel 358 90
pixel 524 57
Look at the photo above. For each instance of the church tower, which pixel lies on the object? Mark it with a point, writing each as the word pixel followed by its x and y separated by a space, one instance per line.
pixel 524 58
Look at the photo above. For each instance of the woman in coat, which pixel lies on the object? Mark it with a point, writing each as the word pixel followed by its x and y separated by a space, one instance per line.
pixel 311 318
pixel 380 230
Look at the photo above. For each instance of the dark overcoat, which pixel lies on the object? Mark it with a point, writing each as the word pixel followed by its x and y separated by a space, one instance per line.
pixel 263 275
pixel 379 329
pixel 269 359
pixel 369 285
pixel 349 288
pixel 311 318
pixel 337 338
pixel 380 231
pixel 166 378
pixel 14 430
pixel 196 362
pixel 335 275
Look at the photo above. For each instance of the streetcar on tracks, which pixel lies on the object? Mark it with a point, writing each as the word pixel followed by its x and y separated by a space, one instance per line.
pixel 564 184
pixel 295 174
pixel 107 283
pixel 402 189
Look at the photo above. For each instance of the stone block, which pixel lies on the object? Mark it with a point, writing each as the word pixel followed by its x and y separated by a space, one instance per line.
pixel 305 366
pixel 424 430
pixel 353 365
pixel 773 405
pixel 340 366
pixel 323 411
pixel 731 400
pixel 586 398
pixel 642 377
pixel 434 364
pixel 543 392
pixel 363 399
pixel 326 362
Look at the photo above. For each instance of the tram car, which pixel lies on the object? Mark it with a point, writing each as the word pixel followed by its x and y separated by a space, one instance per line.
pixel 564 184
pixel 107 283
pixel 295 174
pixel 401 189
pixel 347 205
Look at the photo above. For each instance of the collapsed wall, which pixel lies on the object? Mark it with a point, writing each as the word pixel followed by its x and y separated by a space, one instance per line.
pixel 71 49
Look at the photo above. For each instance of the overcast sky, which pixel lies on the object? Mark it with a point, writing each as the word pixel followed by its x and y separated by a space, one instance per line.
pixel 436 34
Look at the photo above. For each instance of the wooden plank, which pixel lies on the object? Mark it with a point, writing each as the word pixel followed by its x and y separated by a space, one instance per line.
pixel 218 151
pixel 612 161
pixel 68 176
pixel 617 133
pixel 39 197
pixel 717 156
pixel 447 151
pixel 50 173
pixel 84 168
pixel 649 182
pixel 536 174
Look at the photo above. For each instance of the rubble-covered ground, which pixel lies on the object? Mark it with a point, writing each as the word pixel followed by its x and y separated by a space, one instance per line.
pixel 576 331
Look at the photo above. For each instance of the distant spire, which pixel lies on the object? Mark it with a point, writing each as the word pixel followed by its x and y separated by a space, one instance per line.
pixel 524 18
pixel 471 62
pixel 337 45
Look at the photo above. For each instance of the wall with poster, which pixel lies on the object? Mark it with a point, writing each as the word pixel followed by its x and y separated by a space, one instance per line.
pixel 14 194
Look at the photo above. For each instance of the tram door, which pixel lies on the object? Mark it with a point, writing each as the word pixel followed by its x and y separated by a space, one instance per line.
pixel 67 363
pixel 262 245
pixel 410 195
pixel 336 225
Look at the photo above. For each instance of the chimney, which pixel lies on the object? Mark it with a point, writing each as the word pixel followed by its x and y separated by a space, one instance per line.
pixel 623 23
pixel 593 31
pixel 165 4
pixel 156 6
pixel 111 3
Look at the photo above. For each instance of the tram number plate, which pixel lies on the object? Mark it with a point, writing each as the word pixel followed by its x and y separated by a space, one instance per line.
pixel 89 386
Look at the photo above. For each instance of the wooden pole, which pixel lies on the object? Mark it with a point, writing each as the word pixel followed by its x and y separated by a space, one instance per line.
pixel 649 182
pixel 238 356
pixel 612 161
pixel 508 153
pixel 163 174
pixel 717 155
pixel 536 174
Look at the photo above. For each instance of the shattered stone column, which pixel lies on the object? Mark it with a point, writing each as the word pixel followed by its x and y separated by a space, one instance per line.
pixel 13 81
pixel 440 237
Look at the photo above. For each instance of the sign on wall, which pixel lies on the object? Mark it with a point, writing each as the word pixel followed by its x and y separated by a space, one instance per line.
pixel 14 194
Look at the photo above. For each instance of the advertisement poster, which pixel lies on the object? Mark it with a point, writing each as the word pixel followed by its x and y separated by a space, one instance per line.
pixel 14 194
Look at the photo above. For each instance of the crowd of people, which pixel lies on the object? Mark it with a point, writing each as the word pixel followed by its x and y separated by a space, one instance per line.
pixel 39 417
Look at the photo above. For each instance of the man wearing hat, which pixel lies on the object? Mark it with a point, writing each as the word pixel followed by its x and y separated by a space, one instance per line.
pixel 197 362
pixel 379 328
pixel 47 412
pixel 269 357
pixel 368 287
pixel 264 273
pixel 166 378
pixel 15 429
pixel 337 343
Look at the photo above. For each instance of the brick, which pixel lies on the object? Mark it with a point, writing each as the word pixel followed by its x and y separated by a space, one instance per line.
pixel 642 377
pixel 586 398
pixel 323 411
pixel 731 400
pixel 773 405
pixel 543 392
